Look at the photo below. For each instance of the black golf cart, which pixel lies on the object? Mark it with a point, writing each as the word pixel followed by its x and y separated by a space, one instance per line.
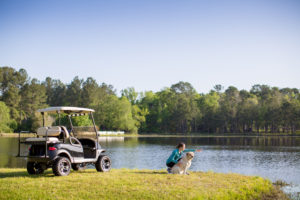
pixel 61 149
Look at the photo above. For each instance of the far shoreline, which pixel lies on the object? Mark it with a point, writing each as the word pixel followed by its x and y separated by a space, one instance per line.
pixel 143 135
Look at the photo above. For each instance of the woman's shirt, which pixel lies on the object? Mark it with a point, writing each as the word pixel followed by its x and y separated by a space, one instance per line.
pixel 176 155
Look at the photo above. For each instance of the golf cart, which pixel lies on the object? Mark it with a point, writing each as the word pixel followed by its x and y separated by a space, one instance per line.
pixel 61 149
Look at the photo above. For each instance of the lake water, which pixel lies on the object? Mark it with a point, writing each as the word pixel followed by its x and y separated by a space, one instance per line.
pixel 272 157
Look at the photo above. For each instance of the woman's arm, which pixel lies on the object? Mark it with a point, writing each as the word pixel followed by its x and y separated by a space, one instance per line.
pixel 192 150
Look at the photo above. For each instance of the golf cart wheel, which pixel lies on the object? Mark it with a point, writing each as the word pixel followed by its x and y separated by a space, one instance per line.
pixel 34 168
pixel 77 167
pixel 61 166
pixel 103 164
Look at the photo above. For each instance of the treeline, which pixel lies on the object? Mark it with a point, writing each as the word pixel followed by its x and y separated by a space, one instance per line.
pixel 21 96
pixel 175 109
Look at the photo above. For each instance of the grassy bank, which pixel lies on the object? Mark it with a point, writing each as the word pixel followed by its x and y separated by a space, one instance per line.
pixel 17 135
pixel 134 184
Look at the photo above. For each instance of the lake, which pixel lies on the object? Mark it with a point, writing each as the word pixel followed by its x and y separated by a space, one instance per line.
pixel 272 157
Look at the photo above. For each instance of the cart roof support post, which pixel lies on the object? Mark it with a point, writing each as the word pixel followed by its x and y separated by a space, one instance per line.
pixel 71 125
pixel 43 118
pixel 91 114
pixel 58 118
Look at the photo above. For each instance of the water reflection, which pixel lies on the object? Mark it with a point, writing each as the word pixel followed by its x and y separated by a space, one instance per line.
pixel 228 141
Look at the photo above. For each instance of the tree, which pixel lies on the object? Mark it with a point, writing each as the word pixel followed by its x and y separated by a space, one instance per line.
pixel 175 109
pixel 11 83
pixel 115 114
pixel 83 120
pixel 172 109
pixel 89 92
pixel 290 113
pixel 183 88
pixel 229 107
pixel 218 88
pixel 150 103
pixel 130 94
pixel 9 75
pixel 55 91
pixel 5 121
pixel 33 98
pixel 12 98
pixel 209 105
pixel 74 92
pixel 247 111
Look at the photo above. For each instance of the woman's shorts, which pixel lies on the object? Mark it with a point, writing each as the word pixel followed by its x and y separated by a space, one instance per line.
pixel 170 164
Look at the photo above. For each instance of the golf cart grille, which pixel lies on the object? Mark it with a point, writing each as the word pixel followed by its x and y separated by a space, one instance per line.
pixel 37 150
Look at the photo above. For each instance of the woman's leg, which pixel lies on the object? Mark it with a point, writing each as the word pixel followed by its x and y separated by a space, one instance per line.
pixel 170 165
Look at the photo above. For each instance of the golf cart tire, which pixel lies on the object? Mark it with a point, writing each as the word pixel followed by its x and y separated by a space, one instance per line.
pixel 77 167
pixel 57 168
pixel 34 168
pixel 101 164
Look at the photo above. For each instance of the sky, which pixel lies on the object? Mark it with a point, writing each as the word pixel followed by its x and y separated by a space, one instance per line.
pixel 153 44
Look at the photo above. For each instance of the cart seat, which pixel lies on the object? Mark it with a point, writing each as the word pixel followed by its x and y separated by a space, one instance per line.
pixel 49 140
pixel 64 129
pixel 52 131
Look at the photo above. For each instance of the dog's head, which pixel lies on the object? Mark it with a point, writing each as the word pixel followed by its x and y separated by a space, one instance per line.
pixel 190 155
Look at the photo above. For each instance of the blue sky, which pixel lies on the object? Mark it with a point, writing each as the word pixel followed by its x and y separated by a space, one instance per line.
pixel 153 44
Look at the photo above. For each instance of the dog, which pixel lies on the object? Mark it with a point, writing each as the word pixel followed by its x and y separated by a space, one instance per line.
pixel 183 164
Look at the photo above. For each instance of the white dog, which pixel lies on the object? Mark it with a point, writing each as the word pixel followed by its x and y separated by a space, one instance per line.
pixel 183 164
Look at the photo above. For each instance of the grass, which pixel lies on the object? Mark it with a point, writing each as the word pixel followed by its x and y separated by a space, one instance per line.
pixel 134 184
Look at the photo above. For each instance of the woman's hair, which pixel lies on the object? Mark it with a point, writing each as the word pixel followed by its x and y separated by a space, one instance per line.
pixel 181 144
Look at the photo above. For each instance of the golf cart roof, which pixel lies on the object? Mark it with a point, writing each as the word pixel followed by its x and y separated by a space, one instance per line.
pixel 66 109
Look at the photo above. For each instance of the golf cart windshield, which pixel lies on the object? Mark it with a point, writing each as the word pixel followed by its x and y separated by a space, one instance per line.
pixel 66 115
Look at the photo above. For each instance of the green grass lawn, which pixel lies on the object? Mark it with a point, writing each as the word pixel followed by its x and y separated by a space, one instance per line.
pixel 134 184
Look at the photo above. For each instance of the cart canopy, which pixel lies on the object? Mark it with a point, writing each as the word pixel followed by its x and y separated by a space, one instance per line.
pixel 66 109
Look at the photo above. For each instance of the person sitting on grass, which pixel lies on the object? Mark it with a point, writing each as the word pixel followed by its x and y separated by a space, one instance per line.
pixel 177 154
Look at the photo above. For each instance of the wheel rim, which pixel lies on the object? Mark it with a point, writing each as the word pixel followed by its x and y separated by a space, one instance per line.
pixel 64 167
pixel 39 170
pixel 105 163
pixel 81 166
